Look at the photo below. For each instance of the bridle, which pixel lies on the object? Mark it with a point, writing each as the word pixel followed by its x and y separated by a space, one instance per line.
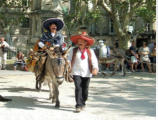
pixel 59 61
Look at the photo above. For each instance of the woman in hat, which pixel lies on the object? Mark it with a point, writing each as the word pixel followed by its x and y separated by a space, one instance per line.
pixel 84 64
pixel 52 36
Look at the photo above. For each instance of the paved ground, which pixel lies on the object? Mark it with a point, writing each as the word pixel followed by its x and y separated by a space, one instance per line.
pixel 110 98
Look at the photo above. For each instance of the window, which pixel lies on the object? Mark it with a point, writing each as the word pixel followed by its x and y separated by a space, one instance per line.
pixel 111 27
pixel 25 22
pixel 148 28
pixel 25 3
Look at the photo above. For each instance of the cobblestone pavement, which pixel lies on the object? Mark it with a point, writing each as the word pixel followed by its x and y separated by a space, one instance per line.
pixel 131 97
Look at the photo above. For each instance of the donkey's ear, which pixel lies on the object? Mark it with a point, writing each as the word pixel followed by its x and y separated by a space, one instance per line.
pixel 65 53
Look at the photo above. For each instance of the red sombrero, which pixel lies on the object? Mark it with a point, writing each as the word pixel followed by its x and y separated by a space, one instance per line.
pixel 82 36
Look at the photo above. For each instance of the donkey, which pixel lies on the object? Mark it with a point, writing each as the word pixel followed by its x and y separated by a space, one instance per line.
pixel 118 58
pixel 56 67
pixel 117 61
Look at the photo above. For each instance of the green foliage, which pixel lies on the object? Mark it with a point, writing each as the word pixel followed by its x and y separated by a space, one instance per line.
pixel 11 3
pixel 8 19
pixel 124 13
pixel 148 11
pixel 93 16
pixel 79 15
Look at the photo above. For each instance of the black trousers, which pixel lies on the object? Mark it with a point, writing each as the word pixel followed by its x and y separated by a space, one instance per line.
pixel 81 90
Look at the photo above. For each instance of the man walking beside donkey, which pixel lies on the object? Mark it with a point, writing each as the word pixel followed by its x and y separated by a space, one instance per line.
pixel 84 64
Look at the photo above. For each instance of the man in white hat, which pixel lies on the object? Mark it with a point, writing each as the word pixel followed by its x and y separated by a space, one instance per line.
pixel 102 50
pixel 4 46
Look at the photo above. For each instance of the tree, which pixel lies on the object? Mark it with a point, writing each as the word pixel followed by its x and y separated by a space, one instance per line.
pixel 11 15
pixel 122 12
pixel 79 15
pixel 147 11
pixel 8 18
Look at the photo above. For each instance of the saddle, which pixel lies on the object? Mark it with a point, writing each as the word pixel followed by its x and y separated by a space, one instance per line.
pixel 31 61
pixel 36 55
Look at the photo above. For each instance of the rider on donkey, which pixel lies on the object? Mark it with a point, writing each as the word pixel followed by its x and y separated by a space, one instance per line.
pixel 51 37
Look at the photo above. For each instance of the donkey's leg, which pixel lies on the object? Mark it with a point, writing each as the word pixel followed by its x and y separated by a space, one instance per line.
pixel 123 67
pixel 56 94
pixel 53 93
pixel 115 68
pixel 38 84
pixel 50 90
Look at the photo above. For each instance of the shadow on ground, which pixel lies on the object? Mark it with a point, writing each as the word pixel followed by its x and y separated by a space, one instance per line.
pixel 137 96
pixel 22 89
pixel 32 103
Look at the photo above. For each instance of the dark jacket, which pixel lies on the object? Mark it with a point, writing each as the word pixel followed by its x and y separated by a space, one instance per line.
pixel 57 39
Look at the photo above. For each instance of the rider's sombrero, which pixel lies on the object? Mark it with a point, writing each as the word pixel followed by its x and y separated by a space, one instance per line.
pixel 58 22
pixel 82 36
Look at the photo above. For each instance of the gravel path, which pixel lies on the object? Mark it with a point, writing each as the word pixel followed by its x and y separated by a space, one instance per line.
pixel 129 98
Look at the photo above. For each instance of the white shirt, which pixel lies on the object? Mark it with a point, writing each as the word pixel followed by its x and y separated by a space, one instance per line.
pixel 53 34
pixel 5 44
pixel 103 51
pixel 144 50
pixel 80 66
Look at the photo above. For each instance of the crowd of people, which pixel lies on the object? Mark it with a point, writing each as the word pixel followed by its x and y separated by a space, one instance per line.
pixel 144 56
pixel 139 59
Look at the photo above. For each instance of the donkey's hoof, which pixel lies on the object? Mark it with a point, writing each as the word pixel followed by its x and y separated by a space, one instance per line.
pixel 49 98
pixel 53 100
pixel 57 106
pixel 38 87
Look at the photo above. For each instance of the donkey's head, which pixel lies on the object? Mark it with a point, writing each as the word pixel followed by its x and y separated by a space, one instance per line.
pixel 58 63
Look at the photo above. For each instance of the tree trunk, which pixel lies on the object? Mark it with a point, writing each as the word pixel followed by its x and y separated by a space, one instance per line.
pixel 123 42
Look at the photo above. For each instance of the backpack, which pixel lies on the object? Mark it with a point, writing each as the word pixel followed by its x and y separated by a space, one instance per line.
pixel 5 49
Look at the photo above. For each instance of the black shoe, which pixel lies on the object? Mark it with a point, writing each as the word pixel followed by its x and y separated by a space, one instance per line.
pixel 83 107
pixel 78 109
pixel 2 99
